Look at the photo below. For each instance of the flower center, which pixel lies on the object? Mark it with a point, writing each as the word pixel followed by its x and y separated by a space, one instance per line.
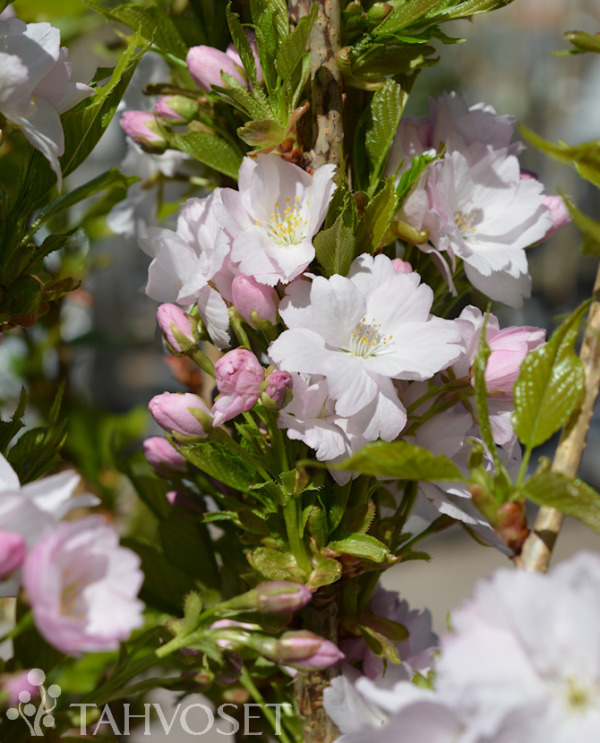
pixel 367 339
pixel 288 227
pixel 579 696
pixel 466 221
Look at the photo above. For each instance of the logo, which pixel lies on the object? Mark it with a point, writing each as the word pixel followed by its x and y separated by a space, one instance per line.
pixel 36 716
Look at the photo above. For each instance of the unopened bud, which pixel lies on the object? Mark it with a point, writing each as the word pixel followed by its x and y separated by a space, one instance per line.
pixel 143 128
pixel 281 597
pixel 305 650
pixel 165 459
pixel 183 414
pixel 276 390
pixel 238 376
pixel 256 303
pixel 176 108
pixel 206 64
pixel 176 326
pixel 378 11
pixel 401 266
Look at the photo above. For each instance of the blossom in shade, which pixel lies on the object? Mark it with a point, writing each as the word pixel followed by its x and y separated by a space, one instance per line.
pixel 274 216
pixel 165 459
pixel 186 260
pixel 82 587
pixel 362 331
pixel 485 214
pixel 508 347
pixel 36 87
pixel 525 649
pixel 238 377
pixel 19 685
pixel 181 412
pixel 30 509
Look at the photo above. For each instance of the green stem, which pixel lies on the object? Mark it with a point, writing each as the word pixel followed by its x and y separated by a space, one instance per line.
pixel 248 684
pixel 292 516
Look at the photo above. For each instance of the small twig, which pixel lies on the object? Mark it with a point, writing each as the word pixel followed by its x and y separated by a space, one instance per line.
pixel 538 546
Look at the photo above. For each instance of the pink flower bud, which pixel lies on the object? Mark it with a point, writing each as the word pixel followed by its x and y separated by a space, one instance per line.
pixel 401 266
pixel 206 63
pixel 254 301
pixel 181 412
pixel 559 214
pixel 172 318
pixel 238 376
pixel 509 347
pixel 162 456
pixel 304 649
pixel 176 108
pixel 22 687
pixel 143 128
pixel 275 387
pixel 13 549
pixel 281 596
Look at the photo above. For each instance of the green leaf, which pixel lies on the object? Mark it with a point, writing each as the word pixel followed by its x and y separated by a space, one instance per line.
pixel 386 110
pixel 326 572
pixel 584 157
pixel 276 565
pixel 151 23
pixel 412 175
pixel 550 385
pixel 583 42
pixel 376 219
pixel 220 462
pixel 405 15
pixel 251 104
pixel 293 46
pixel 110 179
pixel 242 44
pixel 187 546
pixel 210 150
pixel 363 546
pixel 165 586
pixel 9 429
pixel 402 461
pixel 589 228
pixel 568 495
pixel 334 247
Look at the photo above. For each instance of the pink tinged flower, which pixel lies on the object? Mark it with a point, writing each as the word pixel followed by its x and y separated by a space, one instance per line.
pixel 35 87
pixel 185 261
pixel 206 64
pixel 274 216
pixel 559 214
pixel 525 649
pixel 487 216
pixel 12 552
pixel 82 587
pixel 238 376
pixel 181 412
pixel 143 128
pixel 172 318
pixel 29 509
pixel 165 459
pixel 362 331
pixel 21 686
pixel 256 303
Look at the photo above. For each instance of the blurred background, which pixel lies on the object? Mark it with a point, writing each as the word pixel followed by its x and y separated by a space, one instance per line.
pixel 110 351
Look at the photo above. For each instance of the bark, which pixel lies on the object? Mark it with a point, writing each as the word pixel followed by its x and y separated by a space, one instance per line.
pixel 323 138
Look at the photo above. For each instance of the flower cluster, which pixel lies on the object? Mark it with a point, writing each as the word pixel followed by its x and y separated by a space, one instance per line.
pixel 80 583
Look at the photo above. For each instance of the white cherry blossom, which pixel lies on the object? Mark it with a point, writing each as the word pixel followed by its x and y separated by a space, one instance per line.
pixel 274 216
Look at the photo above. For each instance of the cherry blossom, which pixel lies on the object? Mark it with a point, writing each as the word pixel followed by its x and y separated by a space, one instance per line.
pixel 82 587
pixel 274 216
pixel 362 331
pixel 35 88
